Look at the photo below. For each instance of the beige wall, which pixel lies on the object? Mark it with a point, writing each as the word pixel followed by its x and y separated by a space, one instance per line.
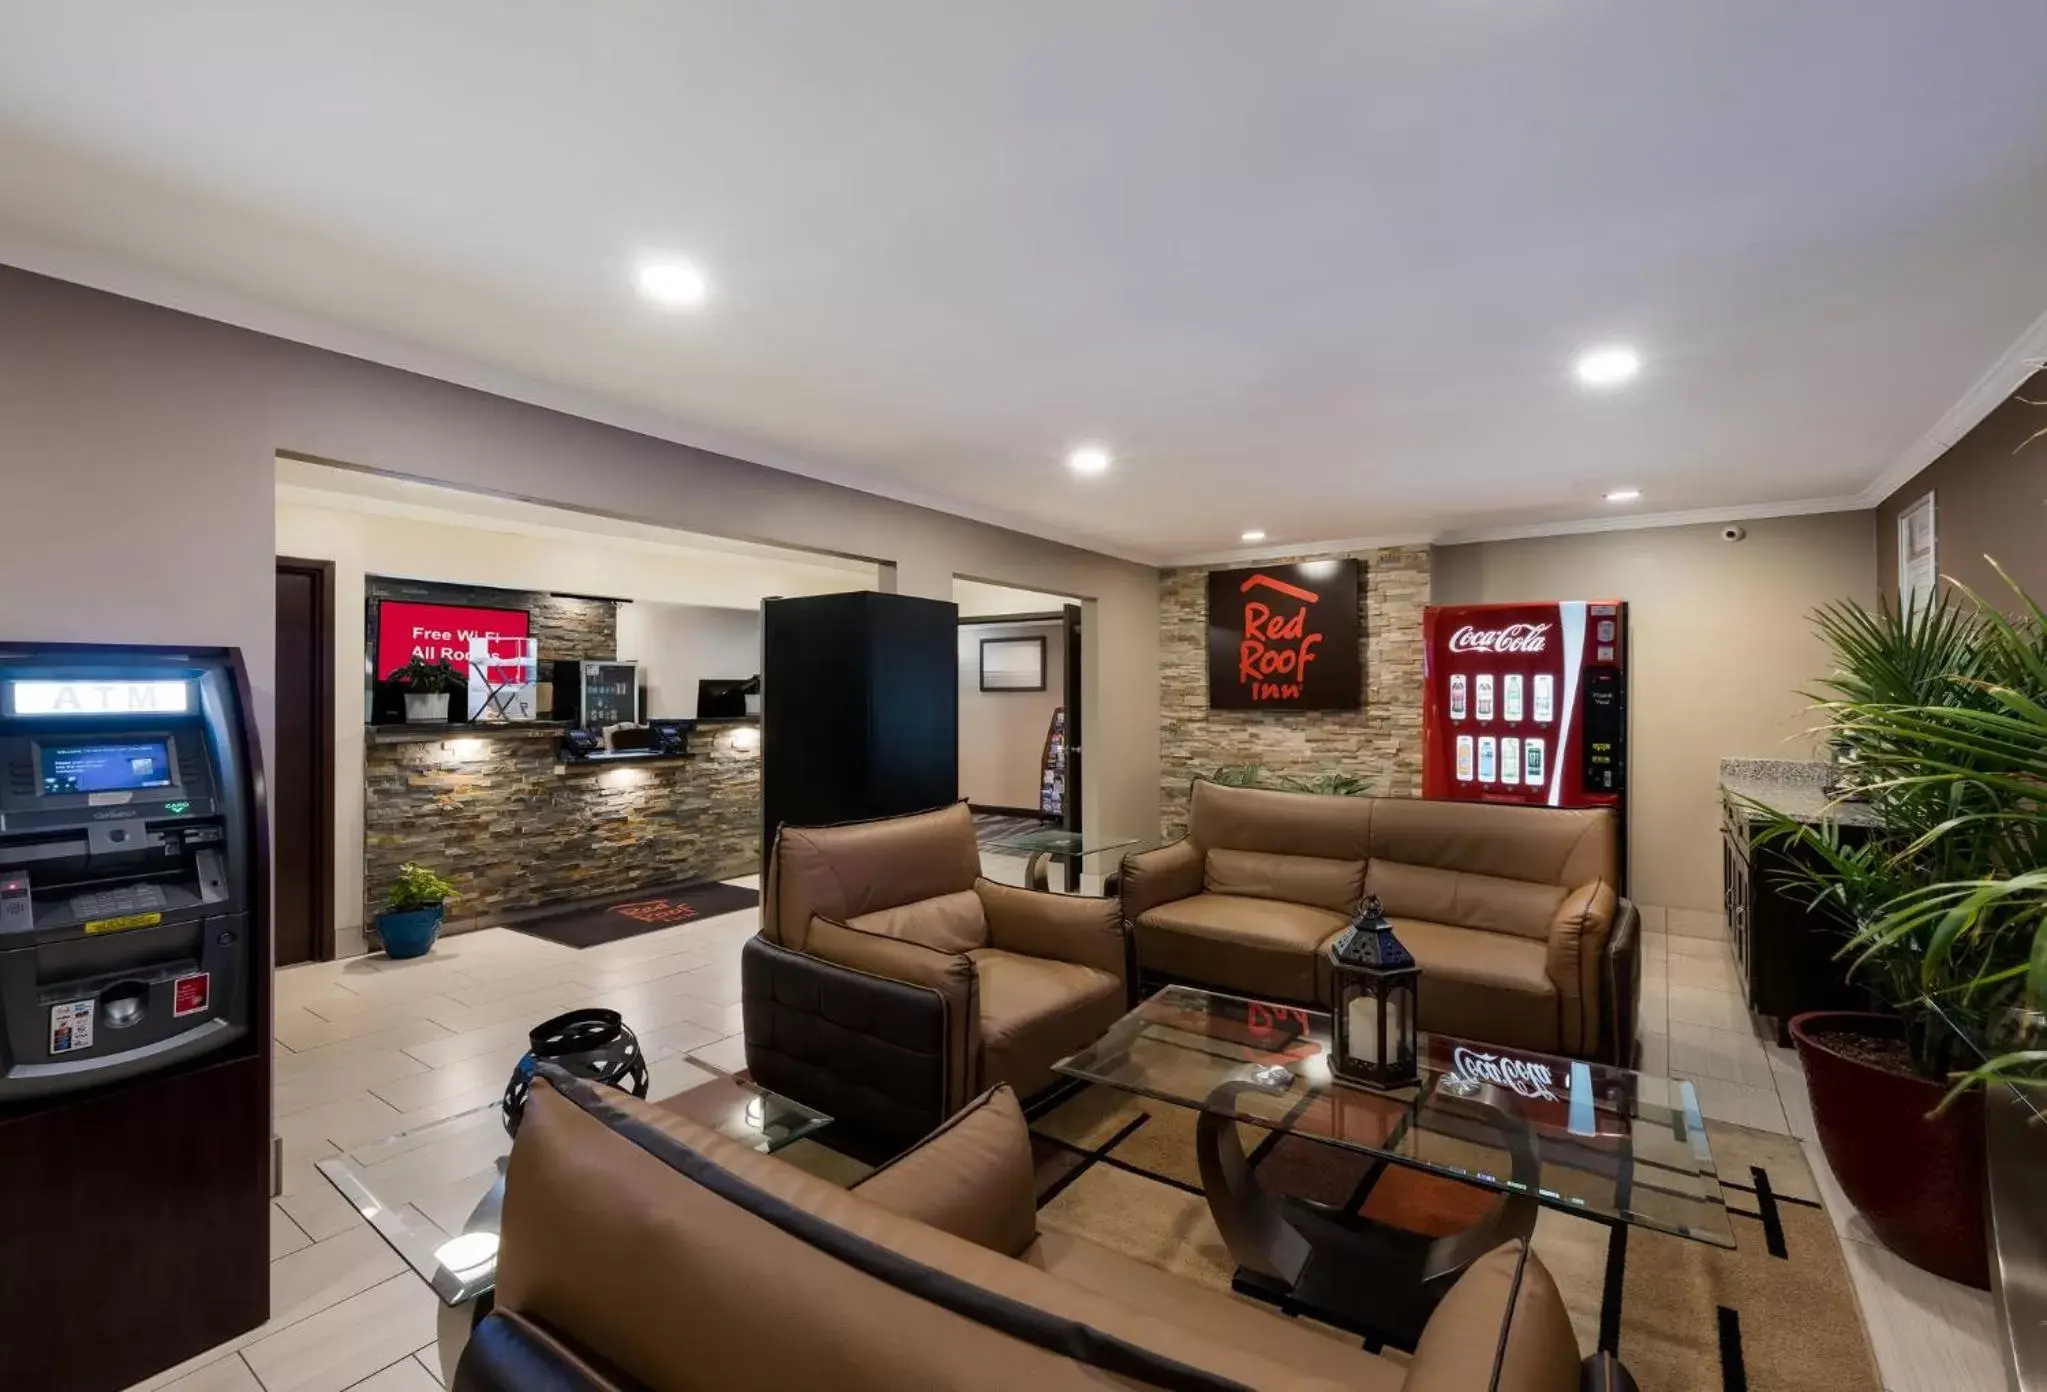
pixel 1989 499
pixel 1721 647
pixel 139 448
pixel 1002 733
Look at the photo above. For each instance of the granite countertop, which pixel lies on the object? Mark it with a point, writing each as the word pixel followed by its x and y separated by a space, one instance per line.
pixel 1795 787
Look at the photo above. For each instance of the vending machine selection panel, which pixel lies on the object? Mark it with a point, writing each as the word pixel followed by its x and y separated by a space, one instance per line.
pixel 1525 703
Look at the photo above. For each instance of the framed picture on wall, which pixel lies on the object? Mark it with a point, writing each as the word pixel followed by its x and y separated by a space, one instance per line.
pixel 1013 664
pixel 1918 554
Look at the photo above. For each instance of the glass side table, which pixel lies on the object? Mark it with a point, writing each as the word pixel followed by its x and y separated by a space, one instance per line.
pixel 1073 849
pixel 434 1193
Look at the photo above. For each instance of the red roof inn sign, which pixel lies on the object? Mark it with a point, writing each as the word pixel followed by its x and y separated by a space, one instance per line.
pixel 1284 637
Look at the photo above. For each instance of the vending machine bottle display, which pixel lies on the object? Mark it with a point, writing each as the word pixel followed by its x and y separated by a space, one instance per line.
pixel 1545 718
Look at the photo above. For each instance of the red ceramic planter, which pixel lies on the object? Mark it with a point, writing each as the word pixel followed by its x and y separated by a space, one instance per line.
pixel 1917 1179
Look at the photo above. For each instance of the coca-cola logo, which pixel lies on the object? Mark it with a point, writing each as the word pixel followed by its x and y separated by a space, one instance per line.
pixel 1531 1080
pixel 1514 638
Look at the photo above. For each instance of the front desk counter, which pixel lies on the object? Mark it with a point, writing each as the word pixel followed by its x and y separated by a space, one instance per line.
pixel 517 826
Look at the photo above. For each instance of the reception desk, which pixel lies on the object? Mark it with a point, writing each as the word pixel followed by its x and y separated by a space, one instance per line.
pixel 501 813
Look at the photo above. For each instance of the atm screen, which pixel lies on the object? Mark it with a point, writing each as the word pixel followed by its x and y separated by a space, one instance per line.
pixel 106 768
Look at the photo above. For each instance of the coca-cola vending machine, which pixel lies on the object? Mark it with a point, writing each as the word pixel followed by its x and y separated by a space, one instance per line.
pixel 1526 703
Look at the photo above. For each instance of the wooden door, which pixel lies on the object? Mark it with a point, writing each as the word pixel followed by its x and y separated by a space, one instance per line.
pixel 302 765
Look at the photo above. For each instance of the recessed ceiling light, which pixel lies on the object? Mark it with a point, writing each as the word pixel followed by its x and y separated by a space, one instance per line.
pixel 1254 536
pixel 673 284
pixel 1608 366
pixel 1090 460
pixel 1623 495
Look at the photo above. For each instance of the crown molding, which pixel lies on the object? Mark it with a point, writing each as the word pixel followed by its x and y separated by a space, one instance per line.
pixel 169 291
pixel 2005 376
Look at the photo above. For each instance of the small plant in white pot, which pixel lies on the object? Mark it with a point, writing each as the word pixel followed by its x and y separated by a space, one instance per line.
pixel 418 900
pixel 429 687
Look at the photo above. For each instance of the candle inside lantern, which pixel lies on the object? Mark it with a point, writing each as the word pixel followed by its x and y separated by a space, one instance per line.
pixel 1362 1032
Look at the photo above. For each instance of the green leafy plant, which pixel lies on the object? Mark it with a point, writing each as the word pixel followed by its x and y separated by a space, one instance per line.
pixel 1257 776
pixel 420 677
pixel 1942 709
pixel 418 887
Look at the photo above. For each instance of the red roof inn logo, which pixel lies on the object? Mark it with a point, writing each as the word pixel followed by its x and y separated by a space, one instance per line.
pixel 1284 637
pixel 1277 646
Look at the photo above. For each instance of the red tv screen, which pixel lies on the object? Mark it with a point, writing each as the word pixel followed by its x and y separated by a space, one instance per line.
pixel 407 629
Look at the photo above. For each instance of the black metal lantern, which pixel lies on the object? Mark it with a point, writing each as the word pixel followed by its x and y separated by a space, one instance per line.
pixel 1376 979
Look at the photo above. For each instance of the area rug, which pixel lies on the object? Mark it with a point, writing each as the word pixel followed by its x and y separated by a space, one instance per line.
pixel 642 912
pixel 1777 1312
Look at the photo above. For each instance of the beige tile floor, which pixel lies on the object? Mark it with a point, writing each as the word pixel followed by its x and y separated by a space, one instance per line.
pixel 367 1047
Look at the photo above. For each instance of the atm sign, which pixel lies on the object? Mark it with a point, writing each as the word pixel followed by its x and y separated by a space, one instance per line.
pixel 99 697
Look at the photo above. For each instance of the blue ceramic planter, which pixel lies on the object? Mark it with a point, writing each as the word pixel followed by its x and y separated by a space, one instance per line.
pixel 411 933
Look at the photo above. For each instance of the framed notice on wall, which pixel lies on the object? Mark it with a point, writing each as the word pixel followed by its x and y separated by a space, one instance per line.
pixel 1013 664
pixel 1918 554
pixel 1285 637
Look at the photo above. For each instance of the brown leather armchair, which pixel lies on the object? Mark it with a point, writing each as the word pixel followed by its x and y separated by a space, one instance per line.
pixel 891 981
pixel 1510 911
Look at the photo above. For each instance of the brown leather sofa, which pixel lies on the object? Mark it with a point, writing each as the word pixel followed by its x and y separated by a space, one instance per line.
pixel 643 1253
pixel 1511 912
pixel 890 981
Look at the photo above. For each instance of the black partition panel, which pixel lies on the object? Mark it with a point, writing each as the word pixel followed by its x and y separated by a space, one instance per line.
pixel 859 708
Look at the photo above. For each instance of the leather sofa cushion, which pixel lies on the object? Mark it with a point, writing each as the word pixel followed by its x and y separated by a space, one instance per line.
pixel 1258 947
pixel 1297 1344
pixel 945 923
pixel 1489 986
pixel 610 1246
pixel 1564 846
pixel 1259 819
pixel 1035 1011
pixel 972 1177
pixel 846 872
pixel 1465 898
pixel 1300 879
pixel 1461 1348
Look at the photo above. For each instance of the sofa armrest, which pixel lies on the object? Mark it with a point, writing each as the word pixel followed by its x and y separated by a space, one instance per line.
pixel 1064 927
pixel 1152 878
pixel 949 974
pixel 1620 995
pixel 873 1053
pixel 973 1177
pixel 1577 956
pixel 1502 1325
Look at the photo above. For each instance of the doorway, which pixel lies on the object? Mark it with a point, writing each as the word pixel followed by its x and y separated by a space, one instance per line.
pixel 302 763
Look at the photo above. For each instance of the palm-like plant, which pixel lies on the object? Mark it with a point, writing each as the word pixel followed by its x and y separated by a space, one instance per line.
pixel 1943 709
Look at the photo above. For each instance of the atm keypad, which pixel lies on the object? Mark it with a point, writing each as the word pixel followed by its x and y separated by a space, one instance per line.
pixel 114 903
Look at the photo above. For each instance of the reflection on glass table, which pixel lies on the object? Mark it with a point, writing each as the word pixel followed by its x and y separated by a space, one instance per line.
pixel 434 1193
pixel 1080 852
pixel 1622 1148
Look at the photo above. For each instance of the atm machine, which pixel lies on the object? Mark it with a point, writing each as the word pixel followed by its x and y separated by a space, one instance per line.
pixel 134 1013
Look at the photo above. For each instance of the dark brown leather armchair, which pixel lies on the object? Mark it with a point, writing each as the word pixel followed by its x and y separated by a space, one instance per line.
pixel 891 982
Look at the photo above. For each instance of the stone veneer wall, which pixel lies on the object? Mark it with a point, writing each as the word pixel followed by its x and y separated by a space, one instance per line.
pixel 514 831
pixel 1380 742
pixel 567 628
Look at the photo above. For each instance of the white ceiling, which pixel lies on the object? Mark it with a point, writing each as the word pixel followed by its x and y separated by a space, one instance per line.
pixel 1313 268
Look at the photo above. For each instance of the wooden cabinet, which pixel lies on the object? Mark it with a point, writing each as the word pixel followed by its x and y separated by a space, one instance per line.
pixel 1784 949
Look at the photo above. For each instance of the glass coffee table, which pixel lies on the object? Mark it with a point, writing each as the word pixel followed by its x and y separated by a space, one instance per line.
pixel 1072 849
pixel 1608 1144
pixel 435 1192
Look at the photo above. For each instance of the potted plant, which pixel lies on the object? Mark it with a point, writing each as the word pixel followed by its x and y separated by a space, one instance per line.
pixel 418 899
pixel 1943 709
pixel 429 686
